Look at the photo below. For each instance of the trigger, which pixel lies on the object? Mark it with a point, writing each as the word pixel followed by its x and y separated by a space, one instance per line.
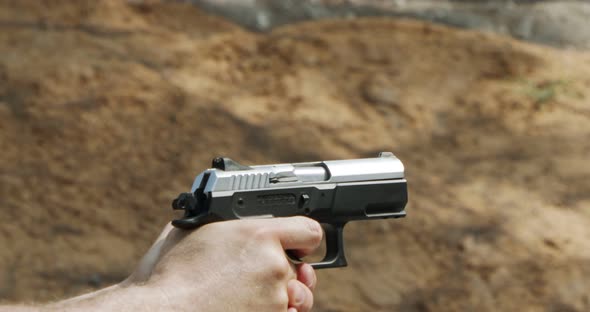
pixel 293 257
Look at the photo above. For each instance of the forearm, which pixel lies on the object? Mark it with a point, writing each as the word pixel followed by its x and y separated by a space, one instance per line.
pixel 18 308
pixel 114 298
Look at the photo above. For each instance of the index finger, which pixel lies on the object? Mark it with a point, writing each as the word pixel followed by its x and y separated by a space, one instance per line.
pixel 294 233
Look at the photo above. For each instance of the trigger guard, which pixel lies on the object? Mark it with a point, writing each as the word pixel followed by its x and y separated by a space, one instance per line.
pixel 334 257
pixel 334 247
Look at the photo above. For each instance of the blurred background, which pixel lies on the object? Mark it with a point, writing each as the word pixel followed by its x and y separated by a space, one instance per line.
pixel 108 109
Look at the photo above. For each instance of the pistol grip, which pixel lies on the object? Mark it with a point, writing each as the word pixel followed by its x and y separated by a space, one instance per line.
pixel 334 247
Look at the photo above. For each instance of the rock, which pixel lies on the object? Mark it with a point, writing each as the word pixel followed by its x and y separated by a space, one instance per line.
pixel 558 23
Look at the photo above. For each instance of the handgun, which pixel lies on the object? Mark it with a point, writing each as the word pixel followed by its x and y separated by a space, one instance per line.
pixel 332 192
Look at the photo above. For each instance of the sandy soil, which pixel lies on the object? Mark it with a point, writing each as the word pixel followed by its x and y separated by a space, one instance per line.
pixel 108 110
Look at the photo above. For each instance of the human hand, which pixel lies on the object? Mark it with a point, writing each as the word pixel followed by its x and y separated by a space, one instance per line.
pixel 233 266
pixel 236 265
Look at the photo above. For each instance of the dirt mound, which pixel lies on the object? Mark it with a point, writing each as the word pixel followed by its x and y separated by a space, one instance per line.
pixel 108 110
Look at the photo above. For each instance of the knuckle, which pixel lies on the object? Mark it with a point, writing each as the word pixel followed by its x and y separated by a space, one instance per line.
pixel 309 303
pixel 278 267
pixel 281 300
pixel 305 302
pixel 306 305
pixel 261 234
